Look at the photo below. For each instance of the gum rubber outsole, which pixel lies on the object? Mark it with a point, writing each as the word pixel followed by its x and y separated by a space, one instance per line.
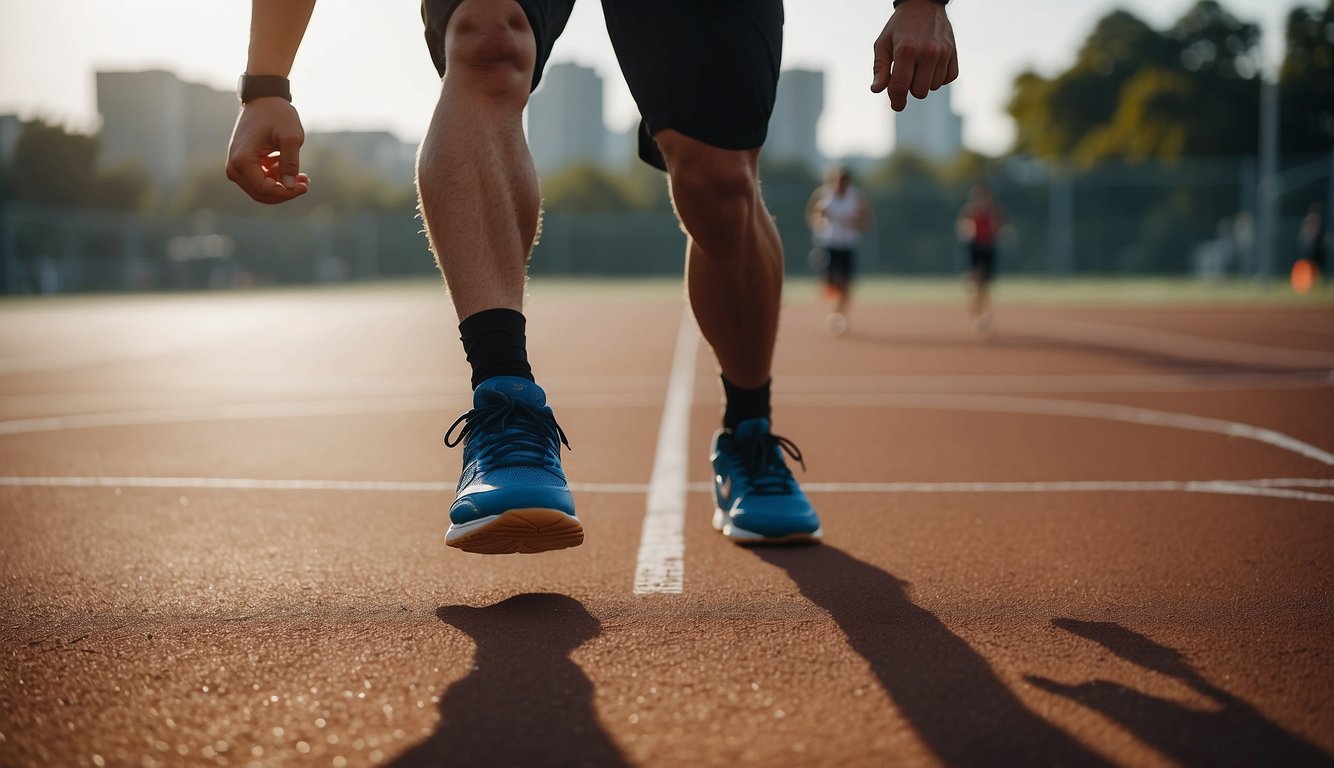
pixel 517 531
pixel 723 524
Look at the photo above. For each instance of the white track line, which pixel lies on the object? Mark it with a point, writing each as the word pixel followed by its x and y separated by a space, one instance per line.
pixel 1077 408
pixel 1279 488
pixel 661 562
pixel 636 392
pixel 1226 487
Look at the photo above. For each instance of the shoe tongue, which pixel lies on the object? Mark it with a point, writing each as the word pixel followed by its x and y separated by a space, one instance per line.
pixel 751 429
pixel 516 387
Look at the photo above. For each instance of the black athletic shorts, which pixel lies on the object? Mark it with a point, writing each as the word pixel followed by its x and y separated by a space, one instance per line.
pixel 982 259
pixel 705 68
pixel 838 270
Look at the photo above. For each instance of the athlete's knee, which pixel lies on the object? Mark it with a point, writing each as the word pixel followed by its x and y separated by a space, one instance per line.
pixel 490 48
pixel 709 174
pixel 716 191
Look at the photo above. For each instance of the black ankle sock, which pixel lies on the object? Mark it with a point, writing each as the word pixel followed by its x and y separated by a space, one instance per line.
pixel 495 344
pixel 744 404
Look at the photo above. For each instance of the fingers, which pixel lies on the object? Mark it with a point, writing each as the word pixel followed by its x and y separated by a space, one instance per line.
pixel 289 165
pixel 259 178
pixel 940 73
pixel 264 159
pixel 882 60
pixel 901 76
pixel 914 54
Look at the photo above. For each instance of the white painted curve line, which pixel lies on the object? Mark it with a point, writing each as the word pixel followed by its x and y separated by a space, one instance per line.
pixel 661 563
pixel 1078 408
pixel 1293 482
pixel 1278 489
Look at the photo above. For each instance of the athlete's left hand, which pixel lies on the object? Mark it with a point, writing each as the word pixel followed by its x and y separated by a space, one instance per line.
pixel 915 53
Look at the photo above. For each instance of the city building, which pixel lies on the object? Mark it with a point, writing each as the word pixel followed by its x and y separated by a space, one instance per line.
pixel 622 150
pixel 565 118
pixel 163 124
pixel 793 129
pixel 929 127
pixel 10 128
pixel 378 153
pixel 171 128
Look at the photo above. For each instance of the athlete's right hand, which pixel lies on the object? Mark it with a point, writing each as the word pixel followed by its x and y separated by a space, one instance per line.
pixel 264 158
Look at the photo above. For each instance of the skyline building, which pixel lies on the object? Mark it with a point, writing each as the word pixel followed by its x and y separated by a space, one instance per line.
pixel 565 125
pixel 171 128
pixel 164 124
pixel 929 128
pixel 10 128
pixel 377 152
pixel 794 127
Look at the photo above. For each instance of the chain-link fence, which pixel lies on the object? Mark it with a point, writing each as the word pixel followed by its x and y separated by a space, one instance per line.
pixel 1179 219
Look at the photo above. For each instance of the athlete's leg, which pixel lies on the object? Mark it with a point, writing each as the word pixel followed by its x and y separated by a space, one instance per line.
pixel 734 266
pixel 475 178
pixel 844 297
pixel 974 281
pixel 480 204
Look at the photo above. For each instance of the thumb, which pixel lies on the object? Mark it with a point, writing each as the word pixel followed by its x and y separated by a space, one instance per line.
pixel 289 158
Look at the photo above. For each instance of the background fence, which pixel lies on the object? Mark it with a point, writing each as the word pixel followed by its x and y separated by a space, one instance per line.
pixel 1187 218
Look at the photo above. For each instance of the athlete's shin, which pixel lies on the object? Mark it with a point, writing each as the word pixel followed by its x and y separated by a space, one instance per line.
pixel 734 259
pixel 477 186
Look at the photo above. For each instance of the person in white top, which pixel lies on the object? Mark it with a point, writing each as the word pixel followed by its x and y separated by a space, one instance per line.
pixel 838 214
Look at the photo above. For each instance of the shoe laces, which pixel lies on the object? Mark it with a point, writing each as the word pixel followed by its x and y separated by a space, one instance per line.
pixel 764 466
pixel 508 432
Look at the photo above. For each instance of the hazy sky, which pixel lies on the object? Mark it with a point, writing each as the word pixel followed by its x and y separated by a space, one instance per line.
pixel 359 69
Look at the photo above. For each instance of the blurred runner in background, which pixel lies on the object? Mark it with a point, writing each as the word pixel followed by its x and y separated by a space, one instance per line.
pixel 979 226
pixel 838 215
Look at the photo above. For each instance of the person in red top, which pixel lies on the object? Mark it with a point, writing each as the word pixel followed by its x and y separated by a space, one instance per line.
pixel 979 226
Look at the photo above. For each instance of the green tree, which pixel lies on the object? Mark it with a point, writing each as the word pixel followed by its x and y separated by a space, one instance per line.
pixel 52 165
pixel 124 188
pixel 1136 93
pixel 905 169
pixel 1144 124
pixel 1056 114
pixel 585 189
pixel 1307 81
pixel 1219 55
pixel 967 168
pixel 55 166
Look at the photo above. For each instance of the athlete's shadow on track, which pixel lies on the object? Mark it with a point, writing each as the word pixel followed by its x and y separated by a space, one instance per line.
pixel 1030 341
pixel 946 690
pixel 525 703
pixel 1232 732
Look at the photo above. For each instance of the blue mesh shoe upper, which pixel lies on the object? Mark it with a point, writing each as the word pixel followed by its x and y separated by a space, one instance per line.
pixel 511 452
pixel 753 485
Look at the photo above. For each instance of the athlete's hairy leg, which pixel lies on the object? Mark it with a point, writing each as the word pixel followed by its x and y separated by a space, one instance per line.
pixel 475 178
pixel 734 260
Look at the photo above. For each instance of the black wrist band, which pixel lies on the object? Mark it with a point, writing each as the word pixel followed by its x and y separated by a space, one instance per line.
pixel 252 87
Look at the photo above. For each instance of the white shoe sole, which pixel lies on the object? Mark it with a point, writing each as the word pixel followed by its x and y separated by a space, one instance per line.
pixel 723 524
pixel 517 531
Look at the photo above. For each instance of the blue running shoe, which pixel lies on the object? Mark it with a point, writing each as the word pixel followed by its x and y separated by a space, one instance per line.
pixel 756 499
pixel 512 495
